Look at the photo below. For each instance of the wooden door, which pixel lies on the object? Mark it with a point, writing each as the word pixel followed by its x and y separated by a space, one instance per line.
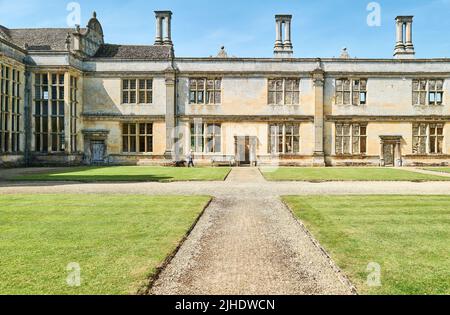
pixel 98 151
pixel 388 149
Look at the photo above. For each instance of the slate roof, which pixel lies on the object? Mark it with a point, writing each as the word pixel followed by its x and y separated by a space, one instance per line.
pixel 42 39
pixel 133 52
pixel 54 39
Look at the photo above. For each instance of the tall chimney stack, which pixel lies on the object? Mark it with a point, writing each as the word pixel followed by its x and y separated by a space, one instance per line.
pixel 283 47
pixel 163 28
pixel 404 47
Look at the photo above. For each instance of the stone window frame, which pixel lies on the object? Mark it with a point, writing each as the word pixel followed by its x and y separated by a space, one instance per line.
pixel 74 112
pixel 137 91
pixel 206 137
pixel 428 138
pixel 278 90
pixel 49 103
pixel 138 135
pixel 354 88
pixel 356 137
pixel 10 108
pixel 278 136
pixel 428 92
pixel 205 90
pixel 15 110
pixel 57 112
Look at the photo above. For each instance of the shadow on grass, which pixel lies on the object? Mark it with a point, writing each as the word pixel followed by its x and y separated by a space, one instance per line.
pixel 70 175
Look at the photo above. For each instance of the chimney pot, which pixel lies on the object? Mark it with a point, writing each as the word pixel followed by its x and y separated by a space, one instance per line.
pixel 163 28
pixel 283 47
pixel 404 47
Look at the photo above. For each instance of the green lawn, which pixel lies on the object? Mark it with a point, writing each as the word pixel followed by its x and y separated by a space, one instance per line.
pixel 130 173
pixel 438 169
pixel 117 240
pixel 323 174
pixel 408 236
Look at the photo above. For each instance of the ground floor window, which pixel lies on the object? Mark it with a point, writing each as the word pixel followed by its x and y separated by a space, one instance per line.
pixel 49 112
pixel 74 113
pixel 428 138
pixel 137 138
pixel 351 138
pixel 10 108
pixel 206 137
pixel 284 139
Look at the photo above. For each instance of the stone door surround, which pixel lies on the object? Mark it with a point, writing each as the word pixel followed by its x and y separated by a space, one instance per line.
pixel 95 136
pixel 396 142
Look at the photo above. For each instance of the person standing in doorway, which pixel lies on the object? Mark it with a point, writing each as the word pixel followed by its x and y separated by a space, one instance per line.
pixel 190 159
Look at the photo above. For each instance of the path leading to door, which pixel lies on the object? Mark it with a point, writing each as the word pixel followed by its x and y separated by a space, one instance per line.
pixel 249 244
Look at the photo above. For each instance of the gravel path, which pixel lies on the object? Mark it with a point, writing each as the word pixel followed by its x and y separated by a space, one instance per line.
pixel 249 245
pixel 230 189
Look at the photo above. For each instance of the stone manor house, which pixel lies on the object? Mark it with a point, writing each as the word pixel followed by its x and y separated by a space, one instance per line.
pixel 67 97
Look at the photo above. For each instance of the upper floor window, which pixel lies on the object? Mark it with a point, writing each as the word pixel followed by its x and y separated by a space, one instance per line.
pixel 137 138
pixel 284 92
pixel 351 91
pixel 428 138
pixel 284 138
pixel 137 91
pixel 205 91
pixel 351 138
pixel 428 92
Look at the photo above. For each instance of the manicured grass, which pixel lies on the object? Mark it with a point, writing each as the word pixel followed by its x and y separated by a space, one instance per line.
pixel 117 240
pixel 408 236
pixel 130 173
pixel 345 174
pixel 438 169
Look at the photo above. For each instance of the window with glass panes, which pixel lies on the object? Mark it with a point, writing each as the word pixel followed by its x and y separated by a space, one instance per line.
pixel 359 139
pixel 350 138
pixel 206 137
pixel 10 109
pixel 213 138
pixel 41 112
pixel 137 138
pixel 4 108
pixel 213 91
pixel 15 111
pixel 205 91
pixel 428 138
pixel 435 92
pixel 351 91
pixel 57 112
pixel 436 138
pixel 197 137
pixel 284 91
pixel 74 113
pixel 284 139
pixel 419 138
pixel 428 92
pixel 145 91
pixel 137 91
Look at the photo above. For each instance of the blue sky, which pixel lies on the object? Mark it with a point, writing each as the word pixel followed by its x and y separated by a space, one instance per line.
pixel 247 28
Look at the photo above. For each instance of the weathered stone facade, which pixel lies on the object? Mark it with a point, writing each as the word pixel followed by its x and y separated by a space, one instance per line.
pixel 79 100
